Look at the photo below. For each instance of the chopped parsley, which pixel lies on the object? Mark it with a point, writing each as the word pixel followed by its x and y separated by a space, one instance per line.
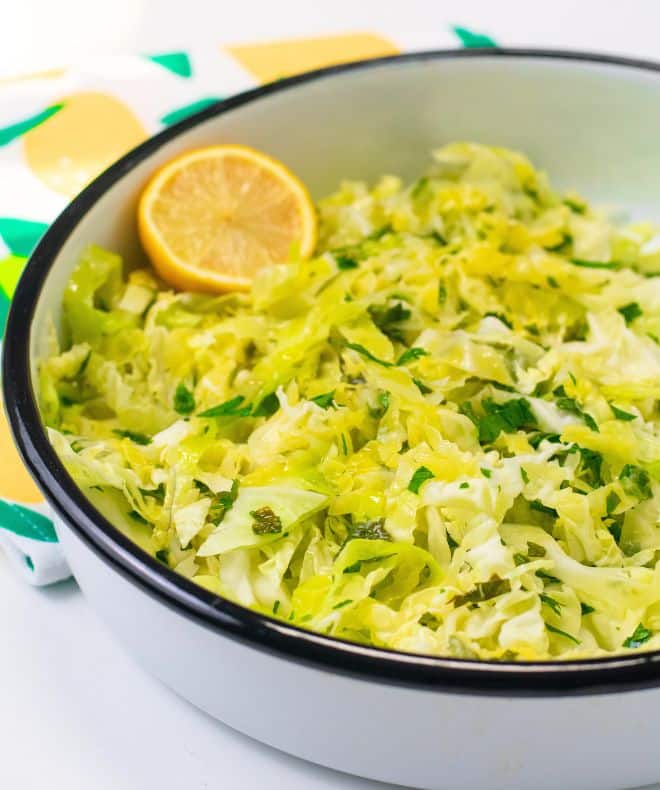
pixel 345 262
pixel 535 550
pixel 620 414
pixel 230 408
pixel 325 400
pixel 157 494
pixel 551 603
pixel 507 417
pixel 421 475
pixel 571 405
pixel 369 530
pixel 366 353
pixel 411 354
pixel 134 436
pixel 265 522
pixel 382 405
pixel 220 502
pixel 585 609
pixel 137 517
pixel 267 407
pixel 636 481
pixel 595 264
pixel 423 388
pixel 341 604
pixel 638 637
pixel 611 502
pixel 548 577
pixel 356 567
pixel 429 620
pixel 483 591
pixel 386 319
pixel 559 632
pixel 184 400
pixel 537 505
pixel 630 312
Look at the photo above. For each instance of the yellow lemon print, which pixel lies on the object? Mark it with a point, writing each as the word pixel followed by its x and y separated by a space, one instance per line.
pixel 87 135
pixel 15 483
pixel 276 59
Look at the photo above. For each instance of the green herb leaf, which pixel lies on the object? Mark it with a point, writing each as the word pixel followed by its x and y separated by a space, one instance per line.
pixel 267 407
pixel 559 632
pixel 137 517
pixel 506 417
pixel 163 555
pixel 230 408
pixel 611 502
pixel 325 400
pixel 341 604
pixel 552 282
pixel 345 262
pixel 380 232
pixel 464 485
pixel 184 400
pixel 548 577
pixel 537 505
pixel 356 567
pixel 429 620
pixel 551 602
pixel 571 405
pixel 578 208
pixel 520 559
pixel 366 353
pixel 524 475
pixel 486 472
pixel 585 609
pixel 420 187
pixel 595 264
pixel 636 481
pixel 265 521
pixel 500 317
pixel 620 414
pixel 369 530
pixel 386 317
pixel 535 550
pixel 134 436
pixel 422 387
pixel 422 474
pixel 638 637
pixel 590 466
pixel 382 405
pixel 410 354
pixel 220 502
pixel 276 607
pixel 630 312
pixel 157 494
pixel 536 440
pixel 483 591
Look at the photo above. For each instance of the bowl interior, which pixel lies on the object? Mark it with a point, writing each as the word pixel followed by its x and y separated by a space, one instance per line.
pixel 593 126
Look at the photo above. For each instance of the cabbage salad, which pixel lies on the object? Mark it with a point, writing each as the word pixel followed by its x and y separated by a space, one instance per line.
pixel 440 435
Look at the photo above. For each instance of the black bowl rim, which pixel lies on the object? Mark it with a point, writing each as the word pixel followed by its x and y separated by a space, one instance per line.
pixel 579 677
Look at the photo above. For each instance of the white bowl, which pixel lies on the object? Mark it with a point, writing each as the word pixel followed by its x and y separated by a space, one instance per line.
pixel 594 123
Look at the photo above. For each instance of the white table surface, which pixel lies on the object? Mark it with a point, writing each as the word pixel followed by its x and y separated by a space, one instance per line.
pixel 76 713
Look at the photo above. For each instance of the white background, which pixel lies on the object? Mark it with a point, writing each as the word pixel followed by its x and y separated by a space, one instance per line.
pixel 75 711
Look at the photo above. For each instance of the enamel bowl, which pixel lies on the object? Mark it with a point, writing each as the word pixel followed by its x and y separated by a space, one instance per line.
pixel 593 123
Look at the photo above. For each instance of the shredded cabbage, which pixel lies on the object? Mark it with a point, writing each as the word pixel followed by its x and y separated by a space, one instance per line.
pixel 439 435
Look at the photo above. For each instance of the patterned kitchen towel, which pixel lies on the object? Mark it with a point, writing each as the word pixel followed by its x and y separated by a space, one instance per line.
pixel 61 128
